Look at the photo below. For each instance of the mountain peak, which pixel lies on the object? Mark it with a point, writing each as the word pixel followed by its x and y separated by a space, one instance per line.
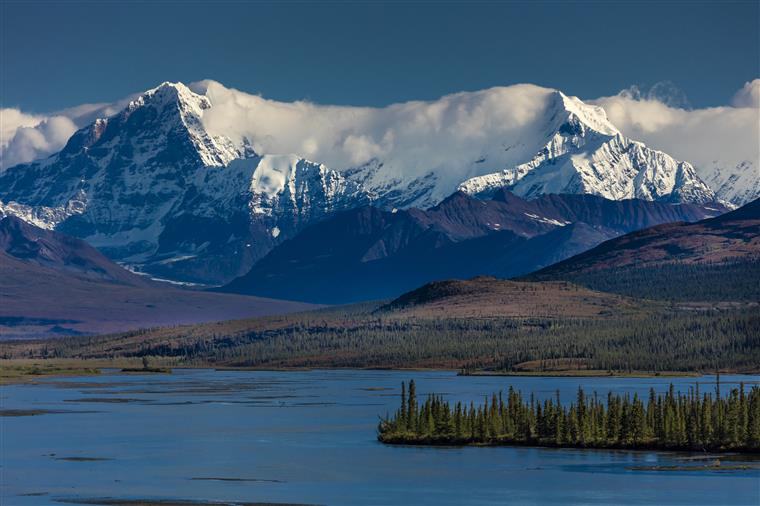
pixel 171 93
pixel 592 116
pixel 585 153
pixel 169 100
pixel 176 108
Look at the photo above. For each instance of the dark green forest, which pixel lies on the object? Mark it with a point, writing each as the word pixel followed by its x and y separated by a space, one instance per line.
pixel 680 341
pixel 724 281
pixel 658 341
pixel 673 421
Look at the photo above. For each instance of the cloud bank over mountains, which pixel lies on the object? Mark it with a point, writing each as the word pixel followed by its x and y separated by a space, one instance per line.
pixel 27 137
pixel 418 135
pixel 449 133
pixel 727 135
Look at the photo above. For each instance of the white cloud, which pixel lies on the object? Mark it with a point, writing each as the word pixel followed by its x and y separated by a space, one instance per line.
pixel 414 137
pixel 11 120
pixel 665 92
pixel 27 137
pixel 447 135
pixel 748 96
pixel 85 114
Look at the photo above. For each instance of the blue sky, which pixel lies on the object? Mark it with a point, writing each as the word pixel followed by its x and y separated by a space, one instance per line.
pixel 60 54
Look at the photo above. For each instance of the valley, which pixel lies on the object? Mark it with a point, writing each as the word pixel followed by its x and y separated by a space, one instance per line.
pixel 494 325
pixel 56 285
pixel 369 254
pixel 603 333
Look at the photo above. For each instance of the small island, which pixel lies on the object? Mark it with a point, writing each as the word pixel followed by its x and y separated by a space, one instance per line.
pixel 147 369
pixel 670 421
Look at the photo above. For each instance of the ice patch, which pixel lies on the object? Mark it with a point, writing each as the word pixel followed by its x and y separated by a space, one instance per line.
pixel 176 259
pixel 550 221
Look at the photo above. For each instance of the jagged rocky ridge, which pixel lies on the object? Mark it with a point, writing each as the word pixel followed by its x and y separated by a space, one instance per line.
pixel 151 187
pixel 738 184
pixel 587 154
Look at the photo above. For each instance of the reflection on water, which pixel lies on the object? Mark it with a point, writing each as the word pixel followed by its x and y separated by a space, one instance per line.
pixel 309 437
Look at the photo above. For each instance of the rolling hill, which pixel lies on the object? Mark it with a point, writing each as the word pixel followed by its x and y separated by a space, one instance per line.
pixel 482 323
pixel 485 297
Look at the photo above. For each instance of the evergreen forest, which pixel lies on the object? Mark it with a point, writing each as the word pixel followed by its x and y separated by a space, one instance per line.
pixel 673 421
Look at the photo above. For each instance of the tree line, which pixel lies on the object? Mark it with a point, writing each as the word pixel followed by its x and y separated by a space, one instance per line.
pixel 673 420
pixel 661 339
pixel 735 280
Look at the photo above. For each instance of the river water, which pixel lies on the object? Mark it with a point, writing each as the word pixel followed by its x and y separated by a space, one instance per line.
pixel 310 437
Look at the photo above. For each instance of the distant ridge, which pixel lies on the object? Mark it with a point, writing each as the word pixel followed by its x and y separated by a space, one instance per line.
pixel 716 258
pixel 370 253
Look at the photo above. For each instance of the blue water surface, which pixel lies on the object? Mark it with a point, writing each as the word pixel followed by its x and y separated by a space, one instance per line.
pixel 310 437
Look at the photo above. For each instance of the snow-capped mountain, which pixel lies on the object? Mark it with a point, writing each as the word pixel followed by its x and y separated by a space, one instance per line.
pixel 170 187
pixel 150 187
pixel 738 184
pixel 586 154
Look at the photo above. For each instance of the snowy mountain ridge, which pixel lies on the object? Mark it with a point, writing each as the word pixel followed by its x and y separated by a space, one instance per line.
pixel 160 185
pixel 736 183
pixel 587 154
pixel 213 151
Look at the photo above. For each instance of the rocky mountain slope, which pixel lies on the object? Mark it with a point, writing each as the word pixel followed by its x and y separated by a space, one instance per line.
pixel 738 184
pixel 370 253
pixel 733 235
pixel 150 187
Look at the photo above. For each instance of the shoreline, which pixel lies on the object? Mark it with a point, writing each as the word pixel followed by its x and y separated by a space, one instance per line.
pixel 452 443
pixel 20 371
pixel 596 373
